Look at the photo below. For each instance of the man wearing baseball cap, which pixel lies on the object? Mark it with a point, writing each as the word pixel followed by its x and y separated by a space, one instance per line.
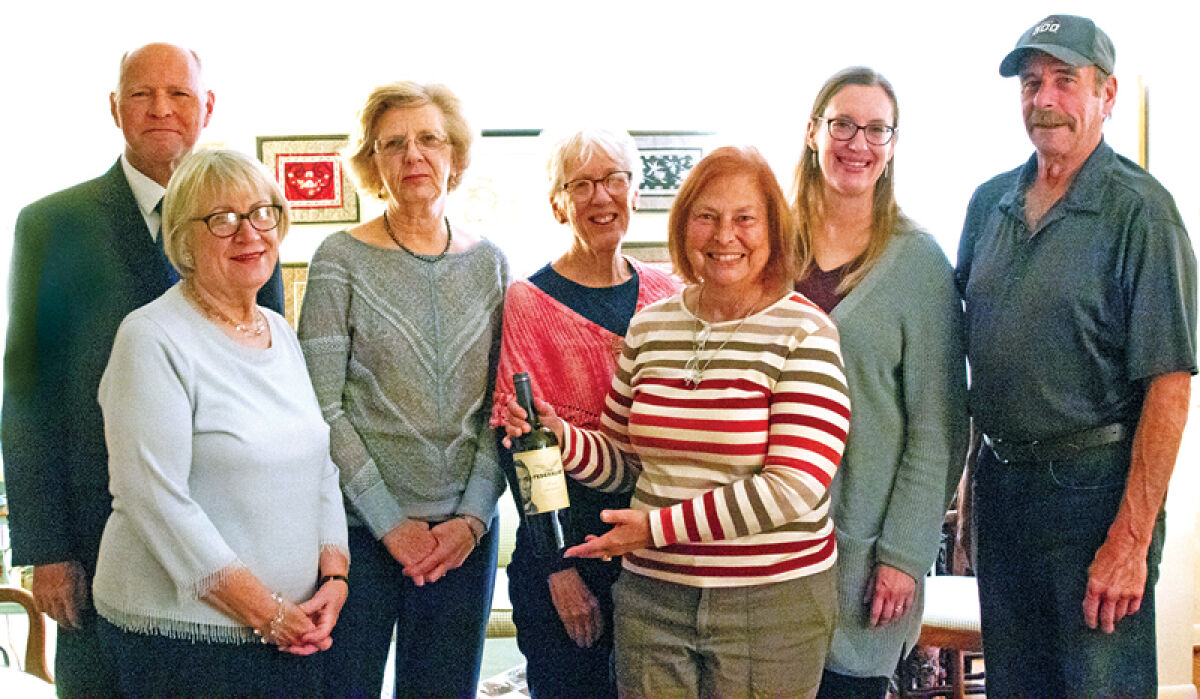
pixel 1080 291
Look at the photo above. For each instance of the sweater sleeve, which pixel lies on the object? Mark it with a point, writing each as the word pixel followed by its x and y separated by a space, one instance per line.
pixel 605 459
pixel 486 484
pixel 808 420
pixel 325 339
pixel 148 426
pixel 935 435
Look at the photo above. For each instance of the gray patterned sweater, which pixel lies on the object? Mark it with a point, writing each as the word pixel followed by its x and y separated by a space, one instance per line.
pixel 402 353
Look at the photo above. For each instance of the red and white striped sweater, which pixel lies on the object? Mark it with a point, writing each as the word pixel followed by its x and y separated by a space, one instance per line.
pixel 735 472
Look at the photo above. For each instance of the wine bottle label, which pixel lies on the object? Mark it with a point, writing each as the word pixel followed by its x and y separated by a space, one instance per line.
pixel 540 477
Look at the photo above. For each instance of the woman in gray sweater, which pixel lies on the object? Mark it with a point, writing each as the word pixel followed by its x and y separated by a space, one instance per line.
pixel 890 290
pixel 401 328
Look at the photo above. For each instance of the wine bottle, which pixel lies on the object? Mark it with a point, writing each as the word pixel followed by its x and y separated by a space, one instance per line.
pixel 539 486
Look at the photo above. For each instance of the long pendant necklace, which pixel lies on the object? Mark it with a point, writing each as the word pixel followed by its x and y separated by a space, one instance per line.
pixel 419 256
pixel 702 331
pixel 254 327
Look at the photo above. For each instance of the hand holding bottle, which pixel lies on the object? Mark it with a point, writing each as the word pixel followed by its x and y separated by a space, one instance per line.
pixel 516 422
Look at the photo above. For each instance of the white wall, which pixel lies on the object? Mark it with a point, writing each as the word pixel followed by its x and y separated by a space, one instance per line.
pixel 747 70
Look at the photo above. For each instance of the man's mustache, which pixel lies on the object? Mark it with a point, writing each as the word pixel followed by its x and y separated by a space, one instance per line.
pixel 1046 119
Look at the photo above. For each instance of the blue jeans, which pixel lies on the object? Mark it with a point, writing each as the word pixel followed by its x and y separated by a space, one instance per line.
pixel 555 667
pixel 1040 525
pixel 440 627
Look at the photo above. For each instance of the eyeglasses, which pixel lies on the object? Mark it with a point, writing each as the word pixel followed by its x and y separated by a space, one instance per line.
pixel 426 141
pixel 615 183
pixel 845 130
pixel 224 224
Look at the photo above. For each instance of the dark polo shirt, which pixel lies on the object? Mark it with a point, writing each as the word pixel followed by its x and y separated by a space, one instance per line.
pixel 1065 322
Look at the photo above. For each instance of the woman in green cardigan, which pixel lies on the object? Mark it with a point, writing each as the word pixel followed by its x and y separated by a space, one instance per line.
pixel 890 290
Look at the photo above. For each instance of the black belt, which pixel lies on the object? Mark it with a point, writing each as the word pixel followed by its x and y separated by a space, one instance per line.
pixel 1056 448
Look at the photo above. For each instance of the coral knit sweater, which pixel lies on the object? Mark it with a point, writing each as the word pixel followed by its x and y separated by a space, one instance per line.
pixel 734 472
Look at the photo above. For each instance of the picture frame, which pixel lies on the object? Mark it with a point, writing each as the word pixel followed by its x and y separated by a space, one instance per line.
pixel 314 180
pixel 667 158
pixel 295 282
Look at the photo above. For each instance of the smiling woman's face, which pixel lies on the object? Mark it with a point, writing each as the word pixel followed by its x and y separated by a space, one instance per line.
pixel 601 220
pixel 852 167
pixel 242 263
pixel 727 239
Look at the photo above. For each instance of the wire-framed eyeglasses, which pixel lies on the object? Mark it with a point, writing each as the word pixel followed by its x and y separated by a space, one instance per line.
pixel 426 141
pixel 616 183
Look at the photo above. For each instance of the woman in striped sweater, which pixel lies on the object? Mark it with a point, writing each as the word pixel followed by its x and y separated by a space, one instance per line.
pixel 727 417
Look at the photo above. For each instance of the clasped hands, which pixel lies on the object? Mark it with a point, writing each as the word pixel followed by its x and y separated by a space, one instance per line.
pixel 427 553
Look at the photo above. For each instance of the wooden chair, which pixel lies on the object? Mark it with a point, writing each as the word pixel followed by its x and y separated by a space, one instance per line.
pixel 951 620
pixel 35 647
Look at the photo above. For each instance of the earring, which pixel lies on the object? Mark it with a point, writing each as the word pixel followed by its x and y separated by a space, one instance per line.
pixel 815 163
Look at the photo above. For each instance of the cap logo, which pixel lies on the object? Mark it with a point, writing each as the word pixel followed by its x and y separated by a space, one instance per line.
pixel 1051 27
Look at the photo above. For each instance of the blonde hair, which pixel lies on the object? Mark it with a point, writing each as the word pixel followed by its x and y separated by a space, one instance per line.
pixel 201 177
pixel 406 95
pixel 808 194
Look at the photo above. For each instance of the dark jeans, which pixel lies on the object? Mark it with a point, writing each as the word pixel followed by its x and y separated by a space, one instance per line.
pixel 1040 525
pixel 557 668
pixel 151 665
pixel 440 627
pixel 82 664
pixel 838 686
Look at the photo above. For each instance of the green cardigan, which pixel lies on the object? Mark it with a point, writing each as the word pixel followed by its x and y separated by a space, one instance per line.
pixel 902 340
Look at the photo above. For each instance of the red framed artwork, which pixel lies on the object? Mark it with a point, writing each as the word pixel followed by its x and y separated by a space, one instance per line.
pixel 312 176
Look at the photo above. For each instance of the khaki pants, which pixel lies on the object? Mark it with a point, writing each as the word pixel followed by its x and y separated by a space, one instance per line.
pixel 762 640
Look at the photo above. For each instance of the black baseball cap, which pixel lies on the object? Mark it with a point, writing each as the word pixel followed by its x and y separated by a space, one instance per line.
pixel 1069 38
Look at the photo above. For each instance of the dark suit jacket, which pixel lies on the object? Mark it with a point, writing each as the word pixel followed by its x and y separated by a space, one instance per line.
pixel 82 260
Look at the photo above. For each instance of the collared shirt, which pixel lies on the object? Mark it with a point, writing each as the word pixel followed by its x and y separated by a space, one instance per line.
pixel 1066 322
pixel 147 192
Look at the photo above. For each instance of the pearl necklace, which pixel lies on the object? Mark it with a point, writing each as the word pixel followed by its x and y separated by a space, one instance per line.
pixel 254 328
pixel 419 256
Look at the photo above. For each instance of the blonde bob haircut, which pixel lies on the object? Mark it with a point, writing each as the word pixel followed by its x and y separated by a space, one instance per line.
pixel 201 180
pixel 571 149
pixel 781 226
pixel 359 155
pixel 808 195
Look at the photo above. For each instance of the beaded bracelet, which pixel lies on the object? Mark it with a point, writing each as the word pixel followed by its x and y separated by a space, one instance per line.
pixel 267 633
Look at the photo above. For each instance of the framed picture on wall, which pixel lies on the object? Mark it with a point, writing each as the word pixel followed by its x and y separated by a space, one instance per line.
pixel 667 158
pixel 312 177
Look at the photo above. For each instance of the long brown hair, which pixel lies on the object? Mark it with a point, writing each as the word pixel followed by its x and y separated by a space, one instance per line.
pixel 808 193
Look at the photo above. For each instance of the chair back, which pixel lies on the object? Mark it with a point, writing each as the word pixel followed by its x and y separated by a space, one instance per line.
pixel 35 646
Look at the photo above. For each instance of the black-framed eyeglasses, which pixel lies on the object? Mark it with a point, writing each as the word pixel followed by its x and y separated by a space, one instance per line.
pixel 224 224
pixel 842 129
pixel 616 183
pixel 427 141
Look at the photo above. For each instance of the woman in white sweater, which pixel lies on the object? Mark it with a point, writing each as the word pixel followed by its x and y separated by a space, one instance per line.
pixel 227 540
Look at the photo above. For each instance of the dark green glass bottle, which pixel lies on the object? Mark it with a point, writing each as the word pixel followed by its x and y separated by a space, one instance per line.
pixel 540 487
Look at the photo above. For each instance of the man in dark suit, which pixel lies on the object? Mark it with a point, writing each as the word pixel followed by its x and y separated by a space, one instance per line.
pixel 83 258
